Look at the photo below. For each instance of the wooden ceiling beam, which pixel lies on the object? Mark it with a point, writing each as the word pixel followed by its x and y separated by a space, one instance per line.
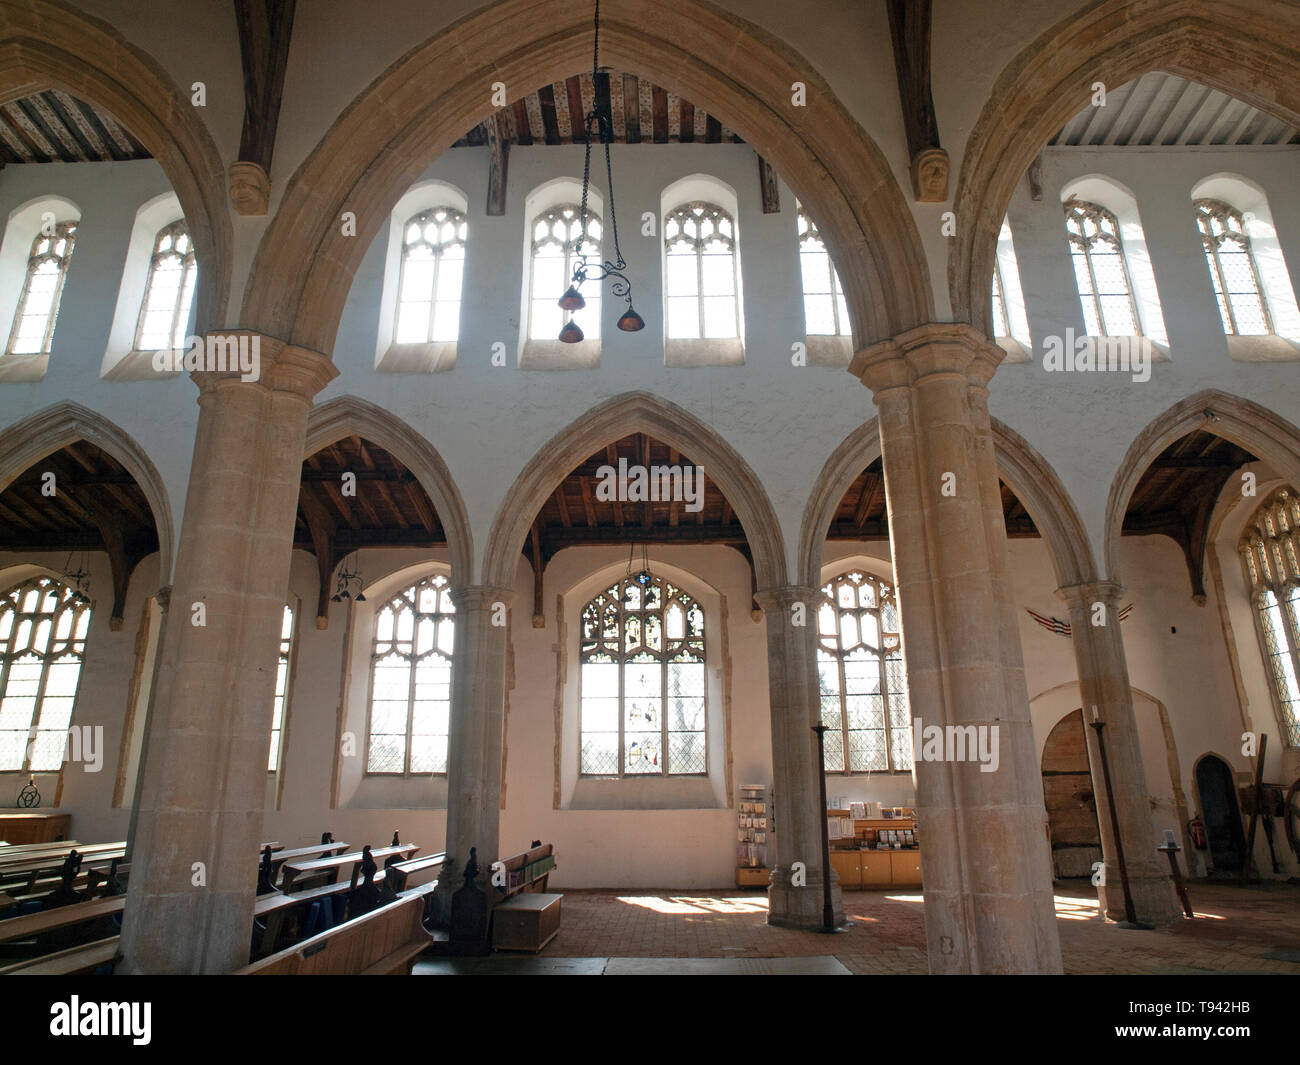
pixel 322 528
pixel 498 165
pixel 265 30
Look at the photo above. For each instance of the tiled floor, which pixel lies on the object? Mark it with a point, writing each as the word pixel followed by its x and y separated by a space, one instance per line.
pixel 1254 929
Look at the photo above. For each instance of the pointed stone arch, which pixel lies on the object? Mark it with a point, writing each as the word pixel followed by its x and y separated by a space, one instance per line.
pixel 351 416
pixel 635 412
pixel 1240 47
pixel 1024 470
pixel 51 46
pixel 1269 436
pixel 25 443
pixel 421 104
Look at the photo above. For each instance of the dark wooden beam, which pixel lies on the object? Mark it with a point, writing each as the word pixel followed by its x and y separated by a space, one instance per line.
pixel 498 165
pixel 909 28
pixel 321 528
pixel 769 188
pixel 632 108
pixel 265 29
pixel 539 567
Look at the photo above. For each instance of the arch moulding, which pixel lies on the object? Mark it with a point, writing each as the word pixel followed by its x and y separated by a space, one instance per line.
pixel 1269 436
pixel 1024 470
pixel 350 416
pixel 669 424
pixel 418 108
pixel 48 46
pixel 25 443
pixel 1240 47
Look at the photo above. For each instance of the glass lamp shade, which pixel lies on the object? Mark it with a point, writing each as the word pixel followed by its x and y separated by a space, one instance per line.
pixel 571 333
pixel 631 322
pixel 572 300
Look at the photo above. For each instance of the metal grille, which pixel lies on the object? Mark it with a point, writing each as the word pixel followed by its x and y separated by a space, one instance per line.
pixel 410 680
pixel 860 670
pixel 1269 550
pixel 642 697
pixel 43 625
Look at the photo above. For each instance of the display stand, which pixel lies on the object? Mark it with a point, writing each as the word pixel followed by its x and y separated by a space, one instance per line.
pixel 754 825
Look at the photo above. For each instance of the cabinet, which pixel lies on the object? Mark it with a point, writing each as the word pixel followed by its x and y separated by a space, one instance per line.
pixel 847 865
pixel 905 866
pixel 877 868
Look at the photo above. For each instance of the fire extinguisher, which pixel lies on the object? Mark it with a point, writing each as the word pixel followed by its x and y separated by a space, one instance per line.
pixel 1196 829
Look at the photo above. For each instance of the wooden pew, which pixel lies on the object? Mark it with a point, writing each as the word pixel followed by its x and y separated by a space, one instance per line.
pixel 71 962
pixel 298 871
pixel 58 929
pixel 523 915
pixel 34 924
pixel 319 850
pixel 385 942
pixel 28 872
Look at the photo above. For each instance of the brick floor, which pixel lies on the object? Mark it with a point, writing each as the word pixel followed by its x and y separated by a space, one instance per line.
pixel 1253 929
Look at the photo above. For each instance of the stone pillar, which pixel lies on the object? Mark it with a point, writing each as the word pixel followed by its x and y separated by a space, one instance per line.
pixel 204 783
pixel 475 736
pixel 988 899
pixel 795 699
pixel 1103 683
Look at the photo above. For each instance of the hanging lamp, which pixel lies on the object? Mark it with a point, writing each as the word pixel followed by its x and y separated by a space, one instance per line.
pixel 572 300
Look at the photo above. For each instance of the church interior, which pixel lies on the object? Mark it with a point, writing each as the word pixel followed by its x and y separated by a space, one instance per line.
pixel 438 533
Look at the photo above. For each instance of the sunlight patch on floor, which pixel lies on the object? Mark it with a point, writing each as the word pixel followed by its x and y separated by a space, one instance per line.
pixel 696 904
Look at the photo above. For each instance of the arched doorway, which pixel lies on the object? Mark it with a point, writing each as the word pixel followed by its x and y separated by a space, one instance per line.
pixel 1069 798
pixel 1218 799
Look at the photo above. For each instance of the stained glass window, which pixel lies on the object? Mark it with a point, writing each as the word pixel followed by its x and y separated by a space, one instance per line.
pixel 165 311
pixel 1269 548
pixel 643 683
pixel 1100 270
pixel 43 625
pixel 556 236
pixel 410 680
pixel 701 287
pixel 433 266
pixel 1232 269
pixel 825 312
pixel 38 307
pixel 281 688
pixel 860 668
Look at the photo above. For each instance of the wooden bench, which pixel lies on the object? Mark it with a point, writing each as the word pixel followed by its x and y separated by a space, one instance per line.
pixel 303 854
pixel 34 924
pixel 523 915
pixel 297 871
pixel 385 942
pixel 75 960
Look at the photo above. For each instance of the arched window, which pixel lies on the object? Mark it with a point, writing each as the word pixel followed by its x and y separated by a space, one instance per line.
pixel 825 312
pixel 860 666
pixel 169 291
pixel 1001 323
pixel 43 625
pixel 642 686
pixel 557 233
pixel 433 267
pixel 410 680
pixel 281 688
pixel 1269 548
pixel 38 307
pixel 1100 270
pixel 1232 269
pixel 700 241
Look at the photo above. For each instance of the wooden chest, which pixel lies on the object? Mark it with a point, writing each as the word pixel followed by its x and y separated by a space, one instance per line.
pixel 20 828
pixel 527 921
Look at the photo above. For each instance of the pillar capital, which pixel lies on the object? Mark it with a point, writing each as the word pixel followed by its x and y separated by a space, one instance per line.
pixel 480 596
pixel 933 348
pixel 1082 596
pixel 242 356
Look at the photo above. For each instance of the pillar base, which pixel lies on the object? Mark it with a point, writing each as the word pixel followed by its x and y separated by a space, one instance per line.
pixel 801 907
pixel 1154 900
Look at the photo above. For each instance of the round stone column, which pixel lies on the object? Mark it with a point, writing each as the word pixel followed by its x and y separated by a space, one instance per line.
pixel 475 739
pixel 1103 683
pixel 794 695
pixel 198 820
pixel 988 898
